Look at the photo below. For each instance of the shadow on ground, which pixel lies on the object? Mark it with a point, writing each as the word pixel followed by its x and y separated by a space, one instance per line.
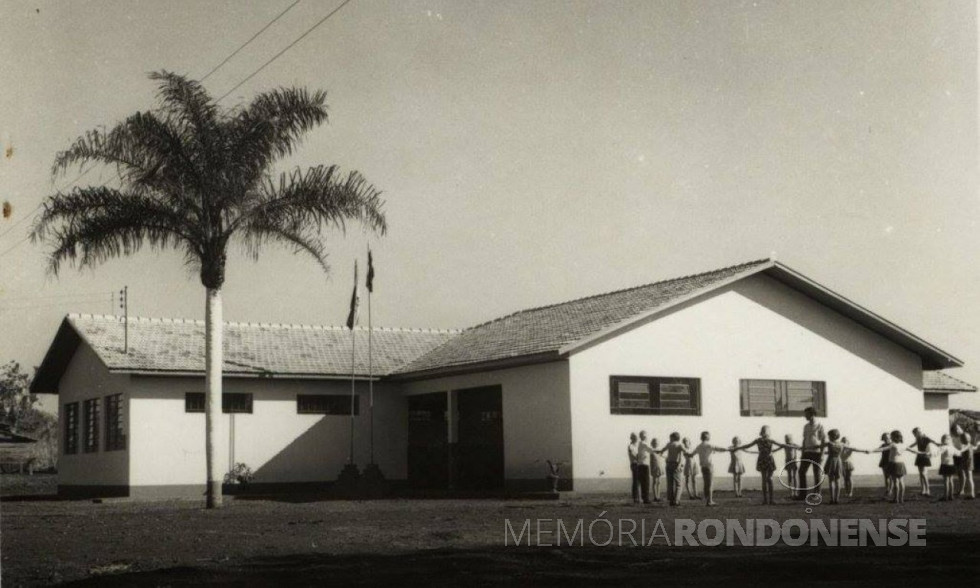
pixel 946 559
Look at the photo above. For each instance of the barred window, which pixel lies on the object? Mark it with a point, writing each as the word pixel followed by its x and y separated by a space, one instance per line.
pixel 91 433
pixel 326 404
pixel 71 428
pixel 236 403
pixel 194 402
pixel 233 402
pixel 115 438
pixel 654 395
pixel 782 397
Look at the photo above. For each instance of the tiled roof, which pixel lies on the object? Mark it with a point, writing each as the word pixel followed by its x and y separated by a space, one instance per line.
pixel 177 345
pixel 942 382
pixel 549 328
pixel 8 437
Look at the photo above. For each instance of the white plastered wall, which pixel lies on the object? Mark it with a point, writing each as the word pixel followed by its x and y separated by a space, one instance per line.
pixel 755 328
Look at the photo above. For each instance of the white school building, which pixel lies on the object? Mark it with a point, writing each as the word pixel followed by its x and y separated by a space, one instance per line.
pixel 482 409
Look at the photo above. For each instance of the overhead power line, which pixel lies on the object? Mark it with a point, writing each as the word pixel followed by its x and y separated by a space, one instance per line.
pixel 287 48
pixel 39 206
pixel 29 298
pixel 206 76
pixel 222 97
pixel 246 43
pixel 14 246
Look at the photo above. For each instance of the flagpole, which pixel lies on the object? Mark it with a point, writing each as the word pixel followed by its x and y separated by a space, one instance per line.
pixel 370 362
pixel 353 340
pixel 352 321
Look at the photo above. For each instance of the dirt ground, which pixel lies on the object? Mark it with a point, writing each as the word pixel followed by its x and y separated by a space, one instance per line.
pixel 306 541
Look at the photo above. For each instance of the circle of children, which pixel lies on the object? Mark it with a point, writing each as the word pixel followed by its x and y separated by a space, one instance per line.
pixel 955 453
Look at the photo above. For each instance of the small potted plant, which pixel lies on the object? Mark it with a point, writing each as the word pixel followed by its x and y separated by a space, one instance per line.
pixel 240 474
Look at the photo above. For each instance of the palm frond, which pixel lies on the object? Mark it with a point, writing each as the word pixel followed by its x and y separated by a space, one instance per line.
pixel 270 128
pixel 257 233
pixel 147 154
pixel 195 176
pixel 187 101
pixel 92 224
pixel 321 196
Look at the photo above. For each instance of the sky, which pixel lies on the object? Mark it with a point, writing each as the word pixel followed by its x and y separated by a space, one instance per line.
pixel 536 151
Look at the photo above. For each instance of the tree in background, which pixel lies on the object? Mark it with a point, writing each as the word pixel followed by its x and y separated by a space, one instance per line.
pixel 195 177
pixel 18 410
pixel 16 399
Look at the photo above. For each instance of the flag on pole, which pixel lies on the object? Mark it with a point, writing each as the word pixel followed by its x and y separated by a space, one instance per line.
pixel 370 273
pixel 355 300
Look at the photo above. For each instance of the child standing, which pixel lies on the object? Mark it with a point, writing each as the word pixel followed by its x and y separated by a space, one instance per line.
pixel 690 471
pixel 703 452
pixel 765 464
pixel 675 452
pixel 656 468
pixel 834 467
pixel 896 464
pixel 922 461
pixel 963 443
pixel 736 468
pixel 845 456
pixel 883 464
pixel 947 466
pixel 792 465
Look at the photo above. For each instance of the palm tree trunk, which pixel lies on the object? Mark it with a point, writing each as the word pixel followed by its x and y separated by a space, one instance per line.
pixel 213 354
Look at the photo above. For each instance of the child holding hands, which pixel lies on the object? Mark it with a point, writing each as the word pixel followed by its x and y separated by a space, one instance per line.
pixel 896 464
pixel 675 453
pixel 703 452
pixel 765 464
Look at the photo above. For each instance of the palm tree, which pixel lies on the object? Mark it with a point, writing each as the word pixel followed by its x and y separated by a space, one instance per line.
pixel 193 177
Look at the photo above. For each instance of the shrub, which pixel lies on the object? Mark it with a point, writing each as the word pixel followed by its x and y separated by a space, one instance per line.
pixel 240 474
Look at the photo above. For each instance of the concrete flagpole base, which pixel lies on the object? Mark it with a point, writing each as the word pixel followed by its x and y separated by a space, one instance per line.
pixel 348 482
pixel 373 483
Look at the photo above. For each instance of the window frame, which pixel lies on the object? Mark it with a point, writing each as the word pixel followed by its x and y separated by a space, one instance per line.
pixel 192 407
pixel 342 402
pixel 226 403
pixel 70 445
pixel 91 417
pixel 191 400
pixel 115 433
pixel 781 398
pixel 656 399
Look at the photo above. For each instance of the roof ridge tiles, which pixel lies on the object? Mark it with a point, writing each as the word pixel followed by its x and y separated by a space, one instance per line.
pixel 295 326
pixel 622 290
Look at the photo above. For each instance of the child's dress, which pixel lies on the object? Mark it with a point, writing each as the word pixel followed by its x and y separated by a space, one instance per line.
pixel 689 468
pixel 736 466
pixel 845 456
pixel 947 463
pixel 883 462
pixel 766 464
pixel 656 470
pixel 791 458
pixel 966 452
pixel 922 458
pixel 834 468
pixel 896 461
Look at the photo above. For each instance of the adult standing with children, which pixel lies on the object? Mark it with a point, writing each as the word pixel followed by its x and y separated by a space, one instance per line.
pixel 632 450
pixel 643 454
pixel 812 453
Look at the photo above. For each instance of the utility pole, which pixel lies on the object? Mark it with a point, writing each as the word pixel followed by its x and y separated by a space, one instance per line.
pixel 124 305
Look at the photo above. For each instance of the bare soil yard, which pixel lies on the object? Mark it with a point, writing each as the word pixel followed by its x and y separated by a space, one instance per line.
pixel 449 542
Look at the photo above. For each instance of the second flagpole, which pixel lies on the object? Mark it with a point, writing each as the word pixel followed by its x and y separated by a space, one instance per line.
pixel 370 288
